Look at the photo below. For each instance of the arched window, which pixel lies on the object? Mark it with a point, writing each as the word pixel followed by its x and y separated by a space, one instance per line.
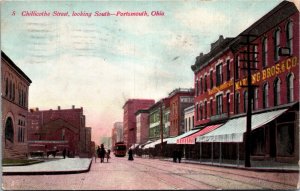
pixel 211 79
pixel 276 92
pixel 290 87
pixel 6 87
pixel 255 99
pixel 265 52
pixel 237 103
pixel 211 107
pixel 201 111
pixel 245 101
pixel 201 86
pixel 205 83
pixel 9 130
pixel 197 87
pixel 205 109
pixel 237 67
pixel 289 36
pixel 265 95
pixel 276 44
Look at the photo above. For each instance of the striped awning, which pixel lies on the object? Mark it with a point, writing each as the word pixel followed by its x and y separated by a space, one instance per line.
pixel 234 129
pixel 173 140
pixel 192 138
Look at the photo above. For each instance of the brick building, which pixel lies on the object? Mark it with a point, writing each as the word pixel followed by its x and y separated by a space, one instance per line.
pixel 142 126
pixel 129 121
pixel 222 96
pixel 58 129
pixel 14 98
pixel 179 100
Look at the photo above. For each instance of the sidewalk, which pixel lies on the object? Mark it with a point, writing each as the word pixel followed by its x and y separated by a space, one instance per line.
pixel 265 166
pixel 51 166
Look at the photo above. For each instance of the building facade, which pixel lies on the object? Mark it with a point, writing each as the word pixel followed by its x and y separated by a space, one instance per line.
pixel 57 129
pixel 142 126
pixel 14 98
pixel 270 48
pixel 129 120
pixel 179 100
pixel 189 118
pixel 155 122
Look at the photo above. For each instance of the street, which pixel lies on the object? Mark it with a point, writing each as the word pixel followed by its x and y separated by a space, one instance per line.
pixel 121 174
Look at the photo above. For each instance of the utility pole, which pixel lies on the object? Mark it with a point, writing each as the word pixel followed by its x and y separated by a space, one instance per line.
pixel 161 127
pixel 249 54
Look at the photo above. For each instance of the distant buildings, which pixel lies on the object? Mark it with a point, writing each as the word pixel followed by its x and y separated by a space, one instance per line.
pixel 142 126
pixel 117 133
pixel 59 129
pixel 179 100
pixel 129 120
pixel 14 98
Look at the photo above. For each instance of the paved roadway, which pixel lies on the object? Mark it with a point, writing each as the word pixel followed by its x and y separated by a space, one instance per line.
pixel 121 174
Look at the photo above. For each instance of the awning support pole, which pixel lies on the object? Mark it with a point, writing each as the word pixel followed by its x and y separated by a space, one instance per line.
pixel 200 151
pixel 212 152
pixel 238 154
pixel 220 157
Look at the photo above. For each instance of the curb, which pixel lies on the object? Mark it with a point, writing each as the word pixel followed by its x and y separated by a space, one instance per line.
pixel 257 169
pixel 49 172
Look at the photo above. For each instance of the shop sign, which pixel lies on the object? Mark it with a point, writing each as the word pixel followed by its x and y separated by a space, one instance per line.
pixel 281 67
pixel 221 87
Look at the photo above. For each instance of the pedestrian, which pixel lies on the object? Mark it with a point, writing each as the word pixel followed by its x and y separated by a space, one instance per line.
pixel 130 154
pixel 107 155
pixel 179 155
pixel 174 156
pixel 102 153
pixel 64 153
pixel 98 153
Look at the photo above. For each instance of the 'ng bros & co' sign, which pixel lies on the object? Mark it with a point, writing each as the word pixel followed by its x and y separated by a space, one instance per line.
pixel 266 73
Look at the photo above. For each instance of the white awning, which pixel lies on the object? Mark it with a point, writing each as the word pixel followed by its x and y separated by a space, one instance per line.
pixel 152 145
pixel 233 130
pixel 173 140
pixel 142 145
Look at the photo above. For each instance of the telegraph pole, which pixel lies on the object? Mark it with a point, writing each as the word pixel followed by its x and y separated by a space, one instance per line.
pixel 249 59
pixel 161 127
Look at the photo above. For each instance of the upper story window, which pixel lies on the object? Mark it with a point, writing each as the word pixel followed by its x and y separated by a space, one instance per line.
pixel 265 95
pixel 255 99
pixel 228 102
pixel 276 44
pixel 211 79
pixel 290 88
pixel 237 66
pixel 237 103
pixel 205 109
pixel 265 52
pixel 276 92
pixel 197 112
pixel 228 70
pixel 219 104
pixel 197 89
pixel 211 107
pixel 245 101
pixel 205 83
pixel 6 86
pixel 201 111
pixel 289 36
pixel 219 74
pixel 255 56
pixel 201 86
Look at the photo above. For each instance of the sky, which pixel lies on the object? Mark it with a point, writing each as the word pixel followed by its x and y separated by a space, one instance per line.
pixel 100 62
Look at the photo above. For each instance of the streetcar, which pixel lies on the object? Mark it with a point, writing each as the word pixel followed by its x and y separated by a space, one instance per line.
pixel 120 149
